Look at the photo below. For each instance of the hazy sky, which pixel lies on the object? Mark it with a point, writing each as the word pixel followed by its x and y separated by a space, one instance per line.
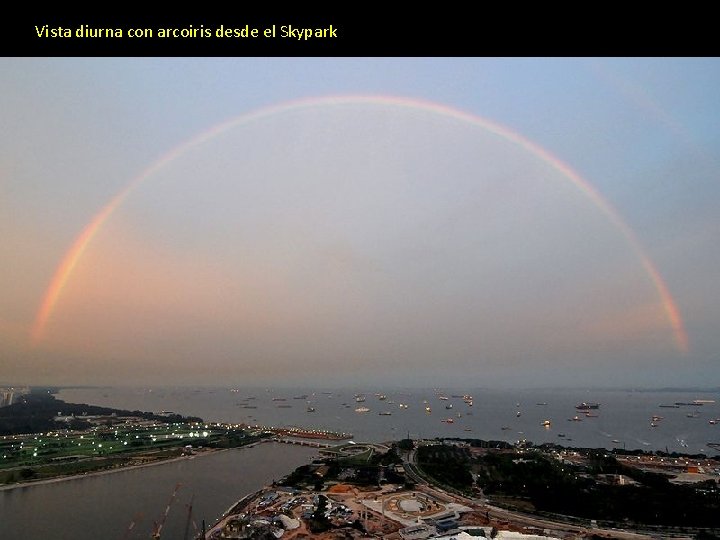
pixel 420 222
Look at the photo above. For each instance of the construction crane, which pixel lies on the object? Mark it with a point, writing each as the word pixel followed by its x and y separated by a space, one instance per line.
pixel 157 530
pixel 191 520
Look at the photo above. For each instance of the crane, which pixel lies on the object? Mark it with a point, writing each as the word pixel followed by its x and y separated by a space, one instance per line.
pixel 158 526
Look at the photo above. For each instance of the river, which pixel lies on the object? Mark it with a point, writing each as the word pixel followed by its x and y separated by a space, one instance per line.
pixel 105 506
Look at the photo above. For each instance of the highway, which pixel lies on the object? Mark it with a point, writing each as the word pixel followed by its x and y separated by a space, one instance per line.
pixel 518 520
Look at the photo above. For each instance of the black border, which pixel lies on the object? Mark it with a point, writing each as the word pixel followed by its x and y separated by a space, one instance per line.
pixel 372 30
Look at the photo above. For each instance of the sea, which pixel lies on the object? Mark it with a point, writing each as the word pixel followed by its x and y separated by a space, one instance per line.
pixel 131 503
pixel 625 416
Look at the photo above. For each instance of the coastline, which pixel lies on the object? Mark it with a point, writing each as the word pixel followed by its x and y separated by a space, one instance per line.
pixel 56 479
pixel 111 503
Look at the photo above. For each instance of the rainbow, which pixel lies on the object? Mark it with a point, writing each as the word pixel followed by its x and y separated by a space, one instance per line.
pixel 64 271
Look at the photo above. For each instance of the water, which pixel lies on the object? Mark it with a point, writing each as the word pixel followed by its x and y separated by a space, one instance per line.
pixel 103 506
pixel 624 416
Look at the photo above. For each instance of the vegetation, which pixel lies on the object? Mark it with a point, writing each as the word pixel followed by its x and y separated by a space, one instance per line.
pixel 547 485
pixel 300 476
pixel 370 469
pixel 37 411
pixel 406 444
pixel 109 438
pixel 448 465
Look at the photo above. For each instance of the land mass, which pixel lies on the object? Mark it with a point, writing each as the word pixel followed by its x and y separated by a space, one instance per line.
pixel 402 489
pixel 460 489
pixel 44 438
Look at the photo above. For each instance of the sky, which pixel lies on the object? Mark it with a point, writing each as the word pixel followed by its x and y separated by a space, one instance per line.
pixel 468 222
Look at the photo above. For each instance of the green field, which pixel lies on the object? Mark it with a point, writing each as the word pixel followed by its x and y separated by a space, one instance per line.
pixel 38 456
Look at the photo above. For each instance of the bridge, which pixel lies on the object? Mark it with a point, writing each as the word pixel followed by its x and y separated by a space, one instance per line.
pixel 301 442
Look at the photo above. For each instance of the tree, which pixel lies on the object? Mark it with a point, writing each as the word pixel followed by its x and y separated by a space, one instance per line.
pixel 406 444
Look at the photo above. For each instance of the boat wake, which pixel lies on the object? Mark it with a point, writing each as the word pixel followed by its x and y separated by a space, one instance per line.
pixel 644 443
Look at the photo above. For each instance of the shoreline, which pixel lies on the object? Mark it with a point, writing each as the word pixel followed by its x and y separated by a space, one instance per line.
pixel 57 479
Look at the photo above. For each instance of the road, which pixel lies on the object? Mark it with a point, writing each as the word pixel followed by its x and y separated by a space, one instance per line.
pixel 516 519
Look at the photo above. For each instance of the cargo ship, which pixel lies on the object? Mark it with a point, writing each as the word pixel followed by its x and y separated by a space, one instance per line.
pixel 584 406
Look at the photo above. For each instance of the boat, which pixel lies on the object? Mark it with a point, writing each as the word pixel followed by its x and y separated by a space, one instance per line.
pixel 279 399
pixel 590 415
pixel 546 423
pixel 656 418
pixel 385 413
pixel 653 424
pixel 449 406
pixel 448 421
pixel 443 398
pixel 311 409
pixel 561 434
pixel 284 406
pixel 518 414
pixel 713 422
pixel 669 406
pixel 359 399
pixel 615 441
pixel 304 396
pixel 505 428
pixel 575 418
pixel 542 403
pixel 585 406
pixel 403 406
pixel 428 409
pixel 362 409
